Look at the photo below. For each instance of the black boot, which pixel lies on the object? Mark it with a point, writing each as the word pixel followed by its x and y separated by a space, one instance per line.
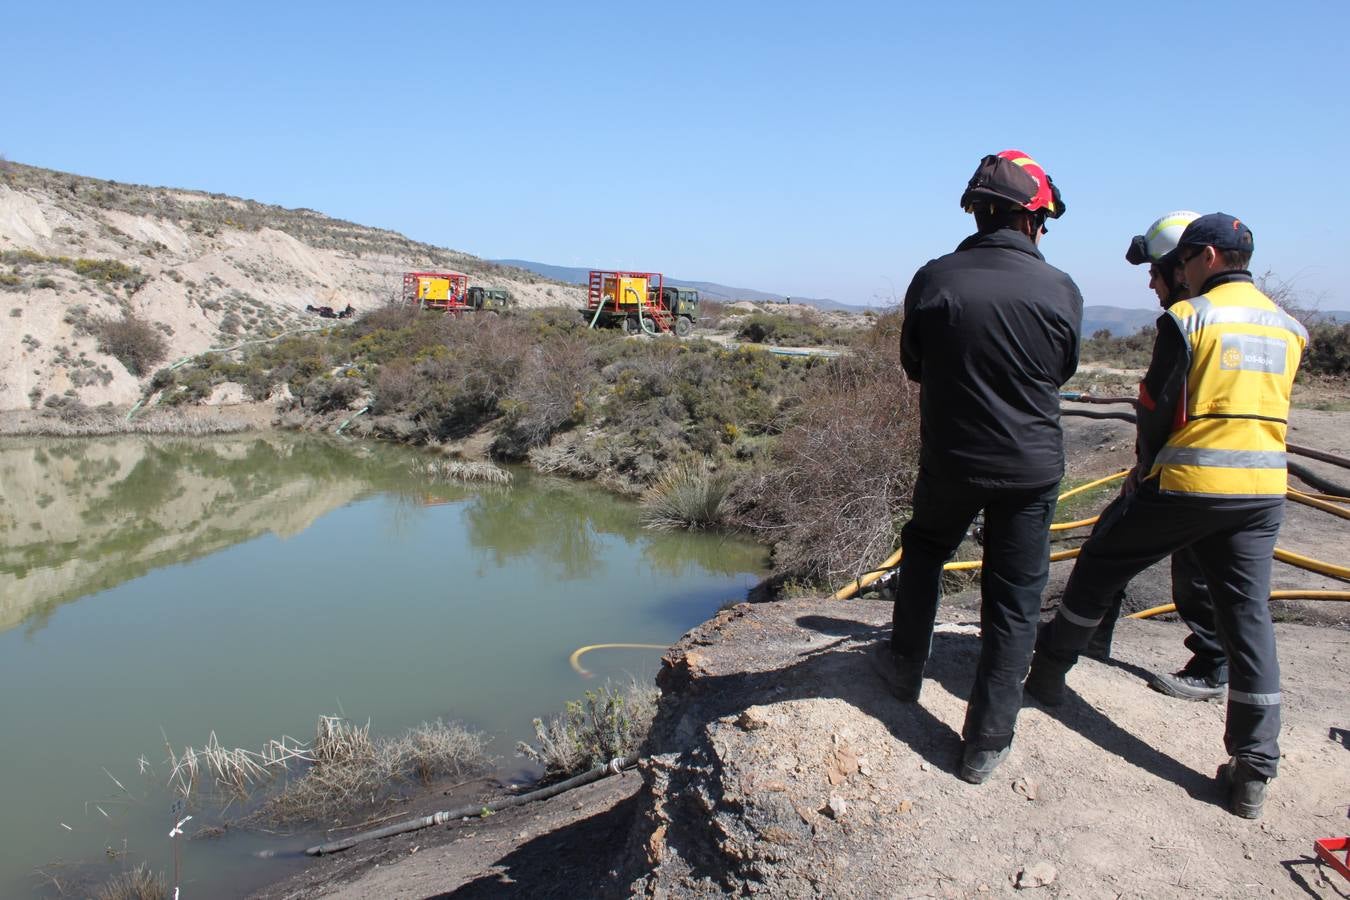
pixel 1246 789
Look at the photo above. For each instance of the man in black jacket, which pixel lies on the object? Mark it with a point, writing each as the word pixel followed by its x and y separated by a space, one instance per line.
pixel 990 333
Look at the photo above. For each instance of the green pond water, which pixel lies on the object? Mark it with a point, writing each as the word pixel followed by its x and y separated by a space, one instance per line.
pixel 168 587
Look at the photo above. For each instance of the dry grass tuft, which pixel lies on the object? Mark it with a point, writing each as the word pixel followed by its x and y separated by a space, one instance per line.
pixel 689 495
pixel 455 470
pixel 233 771
pixel 353 772
pixel 140 883
pixel 339 742
pixel 343 771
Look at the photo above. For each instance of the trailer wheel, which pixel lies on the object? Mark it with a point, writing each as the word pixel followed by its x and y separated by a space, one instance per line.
pixel 684 326
pixel 631 326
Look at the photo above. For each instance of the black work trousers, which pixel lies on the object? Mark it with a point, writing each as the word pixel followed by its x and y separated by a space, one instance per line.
pixel 1232 542
pixel 1016 564
pixel 1196 609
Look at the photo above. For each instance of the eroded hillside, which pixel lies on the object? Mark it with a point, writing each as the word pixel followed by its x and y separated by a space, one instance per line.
pixel 204 270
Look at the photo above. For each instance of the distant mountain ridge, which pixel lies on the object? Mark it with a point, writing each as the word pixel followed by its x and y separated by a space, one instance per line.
pixel 1122 322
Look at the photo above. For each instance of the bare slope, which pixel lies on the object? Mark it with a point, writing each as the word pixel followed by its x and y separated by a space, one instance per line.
pixel 207 270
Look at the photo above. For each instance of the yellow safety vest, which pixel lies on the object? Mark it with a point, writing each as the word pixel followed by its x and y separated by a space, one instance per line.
pixel 1245 351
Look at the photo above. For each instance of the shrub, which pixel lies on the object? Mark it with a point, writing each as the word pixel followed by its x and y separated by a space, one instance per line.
pixel 608 723
pixel 111 271
pixel 135 343
pixel 841 472
pixel 689 495
pixel 550 393
pixel 323 395
pixel 1131 352
pixel 1328 351
pixel 396 387
pixel 805 330
pixel 391 317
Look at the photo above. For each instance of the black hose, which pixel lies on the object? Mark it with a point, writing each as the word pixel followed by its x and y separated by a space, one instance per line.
pixel 613 767
pixel 1088 398
pixel 1320 455
pixel 1098 414
pixel 1317 481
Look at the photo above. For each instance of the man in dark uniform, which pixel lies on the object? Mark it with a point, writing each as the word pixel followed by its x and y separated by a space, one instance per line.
pixel 990 333
pixel 1213 412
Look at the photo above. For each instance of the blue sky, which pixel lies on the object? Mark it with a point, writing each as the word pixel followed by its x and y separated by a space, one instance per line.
pixel 812 149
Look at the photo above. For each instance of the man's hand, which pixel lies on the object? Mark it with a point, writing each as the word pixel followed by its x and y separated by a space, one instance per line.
pixel 1132 482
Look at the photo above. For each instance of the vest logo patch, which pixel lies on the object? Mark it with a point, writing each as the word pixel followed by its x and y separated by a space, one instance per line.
pixel 1253 353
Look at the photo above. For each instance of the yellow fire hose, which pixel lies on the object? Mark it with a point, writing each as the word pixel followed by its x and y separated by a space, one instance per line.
pixel 575 659
pixel 1274 595
pixel 1068 526
pixel 1312 565
pixel 1316 502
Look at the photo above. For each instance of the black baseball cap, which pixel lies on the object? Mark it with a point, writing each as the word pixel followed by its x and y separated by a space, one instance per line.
pixel 1220 231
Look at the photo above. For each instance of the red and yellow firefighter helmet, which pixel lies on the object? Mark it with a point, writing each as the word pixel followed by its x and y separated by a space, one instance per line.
pixel 1013 177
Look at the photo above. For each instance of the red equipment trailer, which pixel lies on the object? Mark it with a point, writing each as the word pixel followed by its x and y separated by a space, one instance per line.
pixel 634 301
pixel 436 290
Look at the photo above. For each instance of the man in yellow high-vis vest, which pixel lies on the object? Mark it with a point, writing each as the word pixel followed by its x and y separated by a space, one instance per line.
pixel 1212 415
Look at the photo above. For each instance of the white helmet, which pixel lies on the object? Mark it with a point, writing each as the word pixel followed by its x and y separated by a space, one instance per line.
pixel 1161 239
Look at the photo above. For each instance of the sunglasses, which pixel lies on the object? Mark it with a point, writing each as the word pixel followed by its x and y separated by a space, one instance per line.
pixel 1184 259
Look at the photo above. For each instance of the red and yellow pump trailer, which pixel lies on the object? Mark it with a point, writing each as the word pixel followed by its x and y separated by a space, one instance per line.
pixel 436 290
pixel 629 300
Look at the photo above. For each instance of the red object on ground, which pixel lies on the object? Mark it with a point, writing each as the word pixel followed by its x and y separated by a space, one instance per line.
pixel 1326 849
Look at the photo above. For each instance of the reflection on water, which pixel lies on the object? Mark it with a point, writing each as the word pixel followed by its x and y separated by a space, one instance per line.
pixel 246 585
pixel 79 516
pixel 560 521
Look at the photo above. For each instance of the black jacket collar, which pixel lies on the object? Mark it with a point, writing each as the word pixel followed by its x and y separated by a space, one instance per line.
pixel 1224 278
pixel 1003 239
